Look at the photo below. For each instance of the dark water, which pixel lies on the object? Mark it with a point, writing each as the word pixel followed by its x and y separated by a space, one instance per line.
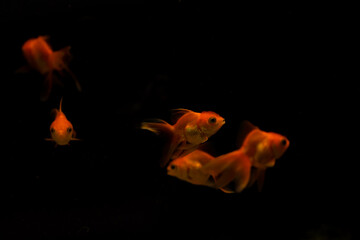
pixel 285 68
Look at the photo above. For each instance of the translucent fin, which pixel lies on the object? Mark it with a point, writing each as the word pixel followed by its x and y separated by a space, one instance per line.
pixel 61 60
pixel 245 128
pixel 183 150
pixel 226 190
pixel 219 164
pixel 158 127
pixel 163 128
pixel 257 175
pixel 60 104
pixel 23 69
pixel 77 83
pixel 225 177
pixel 176 114
pixel 45 37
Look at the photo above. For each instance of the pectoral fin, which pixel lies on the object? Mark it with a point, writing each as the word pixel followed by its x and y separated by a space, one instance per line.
pixel 261 179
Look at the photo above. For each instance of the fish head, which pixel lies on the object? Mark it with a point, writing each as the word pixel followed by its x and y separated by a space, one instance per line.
pixel 278 144
pixel 61 132
pixel 210 122
pixel 177 168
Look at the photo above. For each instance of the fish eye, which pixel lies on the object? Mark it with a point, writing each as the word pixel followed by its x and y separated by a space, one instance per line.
pixel 283 142
pixel 212 120
pixel 172 166
pixel 52 130
pixel 69 130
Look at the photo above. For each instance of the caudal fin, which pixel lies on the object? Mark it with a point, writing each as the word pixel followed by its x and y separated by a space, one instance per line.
pixel 61 59
pixel 165 130
pixel 159 127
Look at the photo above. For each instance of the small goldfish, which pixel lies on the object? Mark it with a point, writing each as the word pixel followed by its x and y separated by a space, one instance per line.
pixel 43 59
pixel 190 130
pixel 188 168
pixel 263 148
pixel 61 129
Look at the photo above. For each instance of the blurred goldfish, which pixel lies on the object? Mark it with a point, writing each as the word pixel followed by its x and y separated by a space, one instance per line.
pixel 61 129
pixel 188 168
pixel 43 59
pixel 190 130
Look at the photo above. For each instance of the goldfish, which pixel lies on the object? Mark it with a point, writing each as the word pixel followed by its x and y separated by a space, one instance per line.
pixel 188 168
pixel 190 130
pixel 43 59
pixel 247 165
pixel 263 148
pixel 61 129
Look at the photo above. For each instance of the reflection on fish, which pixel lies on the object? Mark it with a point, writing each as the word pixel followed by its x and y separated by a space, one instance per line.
pixel 190 130
pixel 43 59
pixel 61 129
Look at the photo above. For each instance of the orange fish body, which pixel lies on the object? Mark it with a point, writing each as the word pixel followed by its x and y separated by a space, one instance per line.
pixel 188 168
pixel 247 165
pixel 231 171
pixel 263 148
pixel 61 129
pixel 190 130
pixel 43 59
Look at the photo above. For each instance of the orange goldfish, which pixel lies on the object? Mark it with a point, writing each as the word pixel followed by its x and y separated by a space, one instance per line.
pixel 43 59
pixel 248 164
pixel 188 168
pixel 200 168
pixel 190 130
pixel 61 129
pixel 263 148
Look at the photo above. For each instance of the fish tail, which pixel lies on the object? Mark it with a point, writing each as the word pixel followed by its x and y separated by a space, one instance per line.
pixel 160 127
pixel 165 129
pixel 61 59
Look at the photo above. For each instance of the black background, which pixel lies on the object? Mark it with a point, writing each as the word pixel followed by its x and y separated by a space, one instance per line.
pixel 285 68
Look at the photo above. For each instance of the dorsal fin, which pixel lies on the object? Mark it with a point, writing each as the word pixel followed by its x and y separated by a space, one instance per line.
pixel 245 128
pixel 177 113
pixel 60 104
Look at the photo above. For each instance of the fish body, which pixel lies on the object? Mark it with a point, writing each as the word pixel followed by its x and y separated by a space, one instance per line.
pixel 43 59
pixel 190 130
pixel 61 129
pixel 188 168
pixel 241 168
pixel 263 148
